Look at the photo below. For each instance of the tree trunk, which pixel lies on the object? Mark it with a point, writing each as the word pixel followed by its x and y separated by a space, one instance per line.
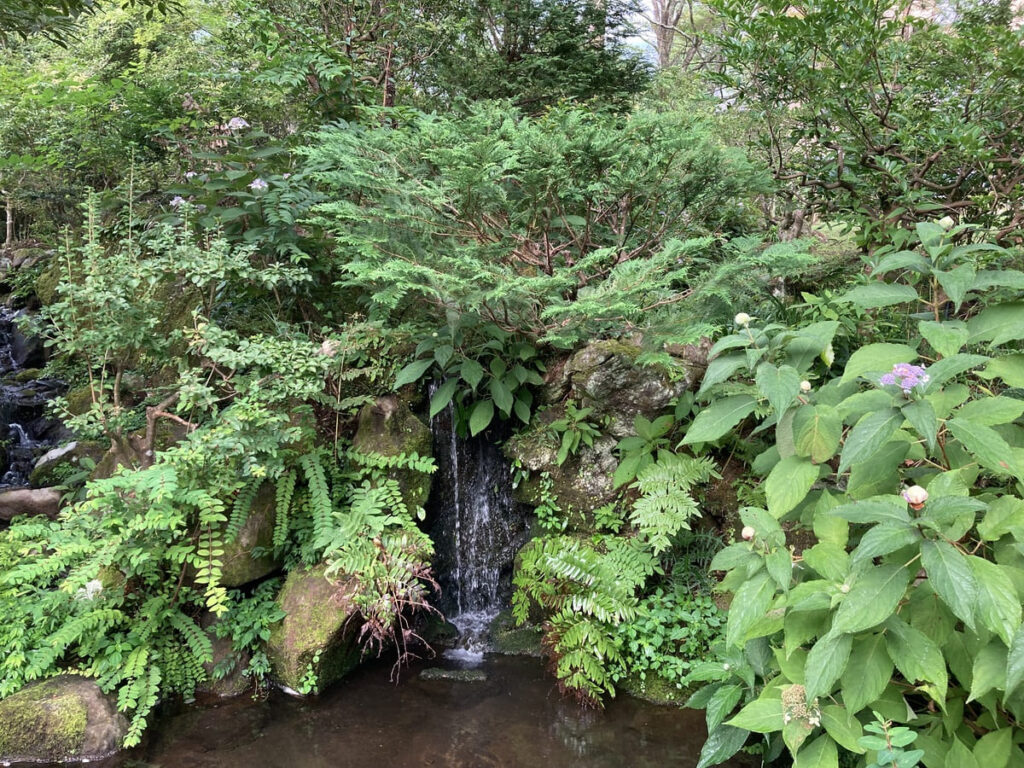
pixel 9 205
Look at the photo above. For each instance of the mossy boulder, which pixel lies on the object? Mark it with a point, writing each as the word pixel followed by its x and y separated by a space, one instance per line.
pixel 233 682
pixel 56 466
pixel 249 556
pixel 655 689
pixel 509 639
pixel 581 484
pixel 48 281
pixel 605 376
pixel 316 643
pixel 387 427
pixel 32 502
pixel 63 719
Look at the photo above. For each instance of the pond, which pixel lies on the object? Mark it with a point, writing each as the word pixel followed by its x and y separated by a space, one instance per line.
pixel 515 718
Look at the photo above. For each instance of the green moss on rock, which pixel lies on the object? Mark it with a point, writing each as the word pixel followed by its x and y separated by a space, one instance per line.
pixel 59 720
pixel 511 640
pixel 655 689
pixel 387 427
pixel 240 563
pixel 316 643
pixel 47 282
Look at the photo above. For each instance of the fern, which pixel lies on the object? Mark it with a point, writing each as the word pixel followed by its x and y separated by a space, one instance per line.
pixel 284 494
pixel 665 506
pixel 241 508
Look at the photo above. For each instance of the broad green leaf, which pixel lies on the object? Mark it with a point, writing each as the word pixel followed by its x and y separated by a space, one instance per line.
pixel 952 366
pixel 993 750
pixel 830 561
pixel 989 670
pixel 721 704
pixel 798 628
pixel 472 372
pixel 1004 515
pixel 921 416
pixel 750 603
pixel 987 445
pixel 883 539
pixel 916 656
pixel 879 294
pixel 760 716
pixel 778 384
pixel 959 756
pixel 999 605
pixel 483 413
pixel 990 411
pixel 853 408
pixel 825 663
pixel 780 567
pixel 956 283
pixel 952 578
pixel 878 474
pixel 998 324
pixel 795 733
pixel 412 372
pixel 820 753
pixel 998 278
pixel 1015 663
pixel 788 484
pixel 842 726
pixel 885 509
pixel 872 598
pixel 718 418
pixel 720 369
pixel 502 395
pixel 816 432
pixel 443 396
pixel 901 260
pixel 828 527
pixel 946 338
pixel 1009 368
pixel 722 743
pixel 869 434
pixel 868 672
pixel 876 358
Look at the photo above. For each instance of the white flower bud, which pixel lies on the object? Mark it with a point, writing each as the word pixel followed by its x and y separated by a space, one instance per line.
pixel 805 386
pixel 915 496
pixel 845 589
pixel 946 222
pixel 742 319
pixel 726 666
pixel 748 532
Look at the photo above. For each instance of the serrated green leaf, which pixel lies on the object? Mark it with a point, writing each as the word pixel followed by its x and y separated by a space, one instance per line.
pixel 952 578
pixel 721 703
pixel 1004 515
pixel 887 509
pixel 869 434
pixel 987 445
pixel 750 603
pixel 842 726
pixel 947 338
pixel 483 413
pixel 879 294
pixel 998 324
pixel 872 598
pixel 826 662
pixel 1015 664
pixel 412 372
pixel 988 671
pixel 868 672
pixel 999 606
pixel 816 432
pixel 993 750
pixel 991 411
pixel 779 385
pixel 722 743
pixel 820 753
pixel 718 418
pixel 759 716
pixel 720 369
pixel 788 484
pixel 960 756
pixel 1009 368
pixel 443 396
pixel 956 283
pixel 921 416
pixel 883 539
pixel 916 656
pixel 502 395
pixel 875 358
pixel 472 372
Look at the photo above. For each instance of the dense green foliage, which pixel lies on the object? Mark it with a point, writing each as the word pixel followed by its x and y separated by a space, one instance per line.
pixel 266 215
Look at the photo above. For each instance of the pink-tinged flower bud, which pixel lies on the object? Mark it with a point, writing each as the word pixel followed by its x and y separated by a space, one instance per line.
pixel 748 532
pixel 946 222
pixel 845 589
pixel 805 386
pixel 915 496
pixel 742 319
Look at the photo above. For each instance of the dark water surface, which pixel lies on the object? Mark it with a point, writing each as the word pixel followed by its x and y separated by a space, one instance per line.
pixel 514 719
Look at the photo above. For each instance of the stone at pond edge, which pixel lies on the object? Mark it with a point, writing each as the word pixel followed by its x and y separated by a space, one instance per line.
pixel 63 719
pixel 239 567
pixel 55 466
pixel 234 683
pixel 511 640
pixel 389 428
pixel 655 689
pixel 455 675
pixel 33 502
pixel 317 641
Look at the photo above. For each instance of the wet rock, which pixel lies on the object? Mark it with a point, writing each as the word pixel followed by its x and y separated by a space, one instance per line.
pixel 63 719
pixel 455 675
pixel 605 376
pixel 29 501
pixel 232 665
pixel 57 465
pixel 27 351
pixel 240 565
pixel 655 689
pixel 26 258
pixel 387 427
pixel 581 484
pixel 509 639
pixel 316 643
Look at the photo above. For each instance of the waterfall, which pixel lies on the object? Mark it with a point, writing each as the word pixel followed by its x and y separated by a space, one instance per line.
pixel 477 528
pixel 26 431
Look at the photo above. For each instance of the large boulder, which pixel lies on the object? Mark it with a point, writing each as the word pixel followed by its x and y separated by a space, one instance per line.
pixel 316 643
pixel 605 376
pixel 55 466
pixel 387 427
pixel 233 681
pixel 249 556
pixel 33 502
pixel 60 720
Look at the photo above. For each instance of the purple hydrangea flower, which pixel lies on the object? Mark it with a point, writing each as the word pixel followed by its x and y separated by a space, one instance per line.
pixel 258 185
pixel 190 174
pixel 237 123
pixel 906 376
pixel 177 201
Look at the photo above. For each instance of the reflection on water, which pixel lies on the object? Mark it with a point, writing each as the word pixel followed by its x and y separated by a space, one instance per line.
pixel 515 718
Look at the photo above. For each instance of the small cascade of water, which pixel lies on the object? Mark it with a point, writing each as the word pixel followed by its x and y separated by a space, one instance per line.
pixel 477 529
pixel 26 431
